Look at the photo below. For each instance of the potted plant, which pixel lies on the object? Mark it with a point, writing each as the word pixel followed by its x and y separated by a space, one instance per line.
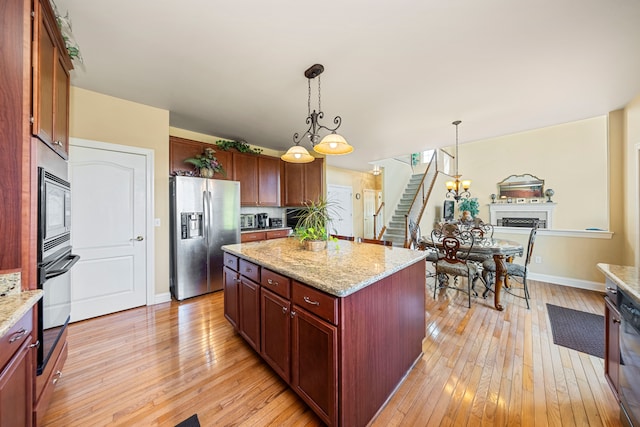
pixel 206 163
pixel 311 228
pixel 469 208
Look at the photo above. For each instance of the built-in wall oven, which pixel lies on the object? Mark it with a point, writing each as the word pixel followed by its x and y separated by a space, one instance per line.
pixel 629 390
pixel 55 259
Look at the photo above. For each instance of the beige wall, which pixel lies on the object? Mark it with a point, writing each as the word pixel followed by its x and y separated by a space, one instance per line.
pixel 104 118
pixel 631 252
pixel 358 181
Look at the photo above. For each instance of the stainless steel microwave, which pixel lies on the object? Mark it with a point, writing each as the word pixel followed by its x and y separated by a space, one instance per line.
pixel 247 221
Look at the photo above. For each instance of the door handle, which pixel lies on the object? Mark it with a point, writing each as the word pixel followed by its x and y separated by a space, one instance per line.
pixel 138 238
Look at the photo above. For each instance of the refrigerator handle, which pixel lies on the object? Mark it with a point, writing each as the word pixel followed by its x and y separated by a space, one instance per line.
pixel 205 214
pixel 209 211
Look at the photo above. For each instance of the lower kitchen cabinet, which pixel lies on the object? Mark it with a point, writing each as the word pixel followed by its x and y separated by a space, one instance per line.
pixel 315 364
pixel 249 304
pixel 231 280
pixel 275 319
pixel 612 344
pixel 16 388
pixel 46 382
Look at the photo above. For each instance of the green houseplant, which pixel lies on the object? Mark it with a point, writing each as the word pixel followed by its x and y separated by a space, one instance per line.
pixel 206 163
pixel 313 220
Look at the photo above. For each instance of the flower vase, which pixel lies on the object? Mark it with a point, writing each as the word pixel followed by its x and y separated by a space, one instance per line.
pixel 315 245
pixel 206 173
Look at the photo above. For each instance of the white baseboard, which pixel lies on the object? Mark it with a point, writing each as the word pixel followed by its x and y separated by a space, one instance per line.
pixel 165 297
pixel 567 281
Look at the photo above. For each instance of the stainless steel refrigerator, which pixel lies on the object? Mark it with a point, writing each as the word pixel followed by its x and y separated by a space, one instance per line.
pixel 205 215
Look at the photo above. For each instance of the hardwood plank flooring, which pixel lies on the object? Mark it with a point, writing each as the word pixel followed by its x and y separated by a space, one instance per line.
pixel 158 365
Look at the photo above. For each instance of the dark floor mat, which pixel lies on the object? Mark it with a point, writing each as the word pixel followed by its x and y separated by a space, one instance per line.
pixel 577 329
pixel 192 421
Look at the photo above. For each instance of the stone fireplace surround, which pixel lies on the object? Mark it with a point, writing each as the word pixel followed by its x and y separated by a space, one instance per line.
pixel 542 211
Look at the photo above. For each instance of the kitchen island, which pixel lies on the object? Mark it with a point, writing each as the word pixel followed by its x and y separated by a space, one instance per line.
pixel 342 326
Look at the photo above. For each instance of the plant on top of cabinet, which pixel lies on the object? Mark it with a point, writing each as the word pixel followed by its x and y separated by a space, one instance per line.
pixel 64 23
pixel 241 146
pixel 206 163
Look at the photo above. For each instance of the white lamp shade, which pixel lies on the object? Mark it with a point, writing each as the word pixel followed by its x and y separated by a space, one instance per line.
pixel 333 144
pixel 297 154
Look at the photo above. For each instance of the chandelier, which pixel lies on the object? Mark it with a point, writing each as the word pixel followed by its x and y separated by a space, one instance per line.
pixel 332 143
pixel 458 189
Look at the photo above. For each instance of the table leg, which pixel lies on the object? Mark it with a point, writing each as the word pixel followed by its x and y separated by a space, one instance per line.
pixel 501 273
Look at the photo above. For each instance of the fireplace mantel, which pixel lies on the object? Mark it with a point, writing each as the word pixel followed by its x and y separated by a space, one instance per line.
pixel 542 211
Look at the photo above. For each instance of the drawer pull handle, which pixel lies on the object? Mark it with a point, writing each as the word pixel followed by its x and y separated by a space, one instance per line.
pixel 22 332
pixel 308 301
pixel 272 282
pixel 612 290
pixel 616 321
pixel 57 375
pixel 35 344
pixel 248 270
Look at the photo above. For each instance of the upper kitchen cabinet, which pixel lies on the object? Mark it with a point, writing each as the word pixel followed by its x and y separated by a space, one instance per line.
pixel 181 149
pixel 259 178
pixel 302 182
pixel 51 65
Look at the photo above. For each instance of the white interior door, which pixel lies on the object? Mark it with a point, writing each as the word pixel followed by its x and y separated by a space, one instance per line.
pixel 341 195
pixel 369 209
pixel 108 209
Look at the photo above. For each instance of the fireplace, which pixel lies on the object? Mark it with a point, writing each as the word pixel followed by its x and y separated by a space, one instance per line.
pixel 522 214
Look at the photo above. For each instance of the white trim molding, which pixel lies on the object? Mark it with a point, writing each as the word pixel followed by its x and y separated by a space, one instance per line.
pixel 567 281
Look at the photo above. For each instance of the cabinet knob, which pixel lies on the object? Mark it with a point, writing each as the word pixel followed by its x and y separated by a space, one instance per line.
pixel 616 321
pixel 57 376
pixel 284 310
pixel 292 313
pixel 272 282
pixel 612 290
pixel 35 344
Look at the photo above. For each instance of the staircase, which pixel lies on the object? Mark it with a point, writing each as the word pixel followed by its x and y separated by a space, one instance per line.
pixel 396 229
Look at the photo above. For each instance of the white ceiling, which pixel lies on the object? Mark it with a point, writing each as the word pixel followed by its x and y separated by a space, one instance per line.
pixel 398 73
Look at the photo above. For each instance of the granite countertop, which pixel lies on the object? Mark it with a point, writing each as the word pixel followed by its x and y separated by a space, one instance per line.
pixel 624 276
pixel 342 269
pixel 251 230
pixel 13 306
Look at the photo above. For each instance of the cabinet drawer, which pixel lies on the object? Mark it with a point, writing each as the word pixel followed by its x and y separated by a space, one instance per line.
pixel 48 382
pixel 250 270
pixel 277 283
pixel 276 234
pixel 252 237
pixel 316 302
pixel 15 336
pixel 231 261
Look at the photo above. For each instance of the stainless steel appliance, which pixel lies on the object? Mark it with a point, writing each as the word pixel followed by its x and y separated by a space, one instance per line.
pixel 292 217
pixel 247 221
pixel 262 220
pixel 275 222
pixel 55 260
pixel 629 392
pixel 204 216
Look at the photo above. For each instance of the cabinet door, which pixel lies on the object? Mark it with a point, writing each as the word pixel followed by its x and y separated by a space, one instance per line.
pixel 181 149
pixel 16 388
pixel 61 112
pixel 245 170
pixel 612 345
pixel 276 332
pixel 231 309
pixel 268 181
pixel 250 312
pixel 313 180
pixel 43 81
pixel 315 363
pixel 293 184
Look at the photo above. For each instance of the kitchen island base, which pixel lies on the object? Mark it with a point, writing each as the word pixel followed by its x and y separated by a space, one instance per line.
pixel 344 355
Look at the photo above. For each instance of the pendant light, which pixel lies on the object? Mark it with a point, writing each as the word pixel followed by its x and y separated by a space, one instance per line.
pixel 458 189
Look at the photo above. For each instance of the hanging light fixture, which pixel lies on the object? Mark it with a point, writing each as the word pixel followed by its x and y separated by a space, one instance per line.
pixel 332 143
pixel 458 189
pixel 376 170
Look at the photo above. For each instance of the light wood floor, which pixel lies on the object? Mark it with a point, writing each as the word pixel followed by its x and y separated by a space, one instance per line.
pixel 159 365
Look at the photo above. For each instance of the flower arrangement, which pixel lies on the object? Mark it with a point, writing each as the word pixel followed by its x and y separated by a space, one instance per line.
pixel 470 205
pixel 206 163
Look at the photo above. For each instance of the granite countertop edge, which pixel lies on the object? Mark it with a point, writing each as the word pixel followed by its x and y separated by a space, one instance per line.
pixel 14 306
pixel 626 277
pixel 307 280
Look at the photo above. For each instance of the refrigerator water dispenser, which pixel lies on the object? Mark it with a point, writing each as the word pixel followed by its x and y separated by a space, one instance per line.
pixel 191 225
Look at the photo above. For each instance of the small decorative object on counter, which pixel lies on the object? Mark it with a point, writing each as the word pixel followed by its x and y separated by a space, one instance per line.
pixel 206 163
pixel 493 198
pixel 312 222
pixel 549 193
pixel 470 205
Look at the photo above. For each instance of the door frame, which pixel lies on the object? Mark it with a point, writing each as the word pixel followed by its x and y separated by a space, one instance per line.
pixel 149 202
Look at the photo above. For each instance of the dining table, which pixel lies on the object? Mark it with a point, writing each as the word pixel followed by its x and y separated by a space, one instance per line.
pixel 502 251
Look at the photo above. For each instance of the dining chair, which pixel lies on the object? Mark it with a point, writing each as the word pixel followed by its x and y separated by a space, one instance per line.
pixel 453 251
pixel 480 231
pixel 375 241
pixel 340 237
pixel 517 271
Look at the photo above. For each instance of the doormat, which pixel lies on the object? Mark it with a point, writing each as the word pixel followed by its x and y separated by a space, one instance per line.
pixel 192 421
pixel 577 330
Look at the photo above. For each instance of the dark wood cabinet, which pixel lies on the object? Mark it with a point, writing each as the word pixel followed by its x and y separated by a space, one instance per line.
pixel 51 65
pixel 17 375
pixel 315 364
pixel 231 290
pixel 612 344
pixel 245 171
pixel 181 149
pixel 249 303
pixel 268 181
pixel 275 322
pixel 302 182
